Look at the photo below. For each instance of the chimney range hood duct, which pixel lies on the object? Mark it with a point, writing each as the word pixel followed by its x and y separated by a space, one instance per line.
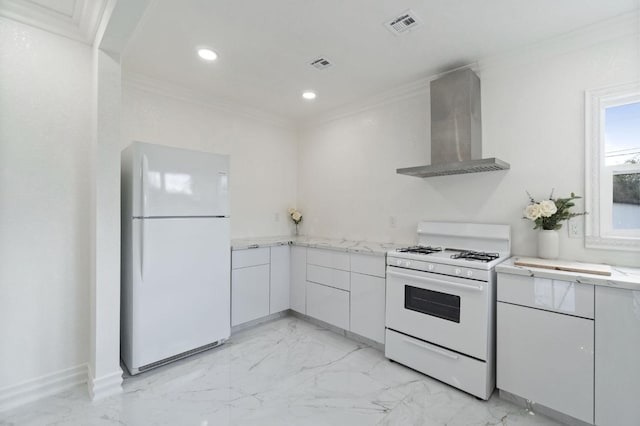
pixel 456 133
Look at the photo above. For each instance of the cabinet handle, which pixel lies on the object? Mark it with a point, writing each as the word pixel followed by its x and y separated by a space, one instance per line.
pixel 432 349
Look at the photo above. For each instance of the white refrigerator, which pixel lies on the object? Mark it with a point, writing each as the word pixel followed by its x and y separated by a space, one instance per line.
pixel 175 297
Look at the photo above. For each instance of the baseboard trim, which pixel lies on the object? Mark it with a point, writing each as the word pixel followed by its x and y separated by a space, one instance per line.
pixel 105 385
pixel 41 387
pixel 536 408
pixel 255 322
pixel 346 333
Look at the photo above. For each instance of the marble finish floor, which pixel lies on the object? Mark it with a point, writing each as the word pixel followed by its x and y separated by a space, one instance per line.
pixel 285 372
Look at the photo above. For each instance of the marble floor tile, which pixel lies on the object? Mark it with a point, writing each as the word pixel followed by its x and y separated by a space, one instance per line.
pixel 286 372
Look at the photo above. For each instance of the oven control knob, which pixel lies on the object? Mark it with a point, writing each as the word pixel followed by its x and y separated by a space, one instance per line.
pixel 431 267
pixel 469 273
pixel 398 262
pixel 458 271
pixel 407 263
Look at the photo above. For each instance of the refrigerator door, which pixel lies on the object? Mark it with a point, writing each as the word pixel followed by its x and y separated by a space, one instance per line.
pixel 181 286
pixel 170 182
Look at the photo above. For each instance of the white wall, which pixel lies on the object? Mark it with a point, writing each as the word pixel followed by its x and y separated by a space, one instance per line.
pixel 263 153
pixel 45 132
pixel 533 118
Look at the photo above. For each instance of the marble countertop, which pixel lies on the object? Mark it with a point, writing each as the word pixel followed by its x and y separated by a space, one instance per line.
pixel 621 277
pixel 366 247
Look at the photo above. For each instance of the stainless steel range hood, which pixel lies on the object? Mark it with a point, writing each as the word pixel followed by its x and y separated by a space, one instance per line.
pixel 456 133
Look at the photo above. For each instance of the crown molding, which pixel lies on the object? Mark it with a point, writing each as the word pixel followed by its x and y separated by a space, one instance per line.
pixel 419 87
pixel 164 88
pixel 397 94
pixel 624 25
pixel 79 22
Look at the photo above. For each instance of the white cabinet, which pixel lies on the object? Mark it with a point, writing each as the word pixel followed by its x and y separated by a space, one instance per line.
pixel 617 369
pixel 545 343
pixel 249 293
pixel 279 279
pixel 347 290
pixel 367 306
pixel 328 304
pixel 298 279
pixel 259 282
pixel 368 296
pixel 343 289
pixel 547 358
pixel 327 286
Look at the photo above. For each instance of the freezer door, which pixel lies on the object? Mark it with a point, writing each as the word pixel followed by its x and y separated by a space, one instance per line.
pixel 181 287
pixel 178 182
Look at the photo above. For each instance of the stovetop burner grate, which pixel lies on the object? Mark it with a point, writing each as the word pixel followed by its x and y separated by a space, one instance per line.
pixel 476 255
pixel 419 249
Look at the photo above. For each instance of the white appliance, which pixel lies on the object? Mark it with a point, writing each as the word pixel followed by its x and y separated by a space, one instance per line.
pixel 440 303
pixel 175 254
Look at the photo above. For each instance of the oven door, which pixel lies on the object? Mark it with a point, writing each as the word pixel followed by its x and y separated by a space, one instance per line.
pixel 447 311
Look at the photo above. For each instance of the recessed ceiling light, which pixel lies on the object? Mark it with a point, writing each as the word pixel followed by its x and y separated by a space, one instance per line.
pixel 207 54
pixel 308 94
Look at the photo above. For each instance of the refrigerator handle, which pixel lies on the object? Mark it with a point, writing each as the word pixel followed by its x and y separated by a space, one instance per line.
pixel 142 225
pixel 144 169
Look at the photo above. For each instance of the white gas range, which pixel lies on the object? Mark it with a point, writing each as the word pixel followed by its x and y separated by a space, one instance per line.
pixel 440 303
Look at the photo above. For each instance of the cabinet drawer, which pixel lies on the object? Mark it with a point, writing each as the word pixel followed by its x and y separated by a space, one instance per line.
pixel 552 295
pixel 368 264
pixel 547 358
pixel 328 276
pixel 250 257
pixel 328 258
pixel 328 304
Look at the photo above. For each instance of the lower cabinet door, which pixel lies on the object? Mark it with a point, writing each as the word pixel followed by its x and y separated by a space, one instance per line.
pixel 249 293
pixel 617 351
pixel 367 306
pixel 547 358
pixel 297 290
pixel 279 299
pixel 328 304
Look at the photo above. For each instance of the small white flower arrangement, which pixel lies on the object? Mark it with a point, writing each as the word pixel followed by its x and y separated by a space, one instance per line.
pixel 295 215
pixel 548 214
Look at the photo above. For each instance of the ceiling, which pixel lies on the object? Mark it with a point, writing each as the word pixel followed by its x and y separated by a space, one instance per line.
pixel 265 47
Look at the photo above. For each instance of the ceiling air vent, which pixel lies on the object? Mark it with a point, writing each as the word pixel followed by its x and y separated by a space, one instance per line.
pixel 321 63
pixel 403 23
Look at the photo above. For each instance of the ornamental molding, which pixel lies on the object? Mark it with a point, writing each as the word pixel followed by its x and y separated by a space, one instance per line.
pixel 74 19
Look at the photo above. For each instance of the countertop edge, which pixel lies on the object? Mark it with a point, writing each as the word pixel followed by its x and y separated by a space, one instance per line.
pixel 621 277
pixel 359 247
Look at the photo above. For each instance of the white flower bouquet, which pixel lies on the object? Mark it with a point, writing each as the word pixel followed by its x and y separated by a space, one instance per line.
pixel 548 214
pixel 295 215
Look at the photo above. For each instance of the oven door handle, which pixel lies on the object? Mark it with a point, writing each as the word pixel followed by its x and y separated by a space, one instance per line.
pixel 432 349
pixel 441 282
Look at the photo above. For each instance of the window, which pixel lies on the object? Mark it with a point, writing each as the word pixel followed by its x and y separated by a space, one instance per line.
pixel 613 168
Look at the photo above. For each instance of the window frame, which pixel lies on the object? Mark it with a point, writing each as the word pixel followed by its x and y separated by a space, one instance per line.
pixel 599 232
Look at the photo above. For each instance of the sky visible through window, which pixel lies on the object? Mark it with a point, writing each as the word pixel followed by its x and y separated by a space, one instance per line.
pixel 622 146
pixel 622 134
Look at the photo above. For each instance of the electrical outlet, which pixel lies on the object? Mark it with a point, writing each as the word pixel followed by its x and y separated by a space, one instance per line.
pixel 393 222
pixel 575 226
